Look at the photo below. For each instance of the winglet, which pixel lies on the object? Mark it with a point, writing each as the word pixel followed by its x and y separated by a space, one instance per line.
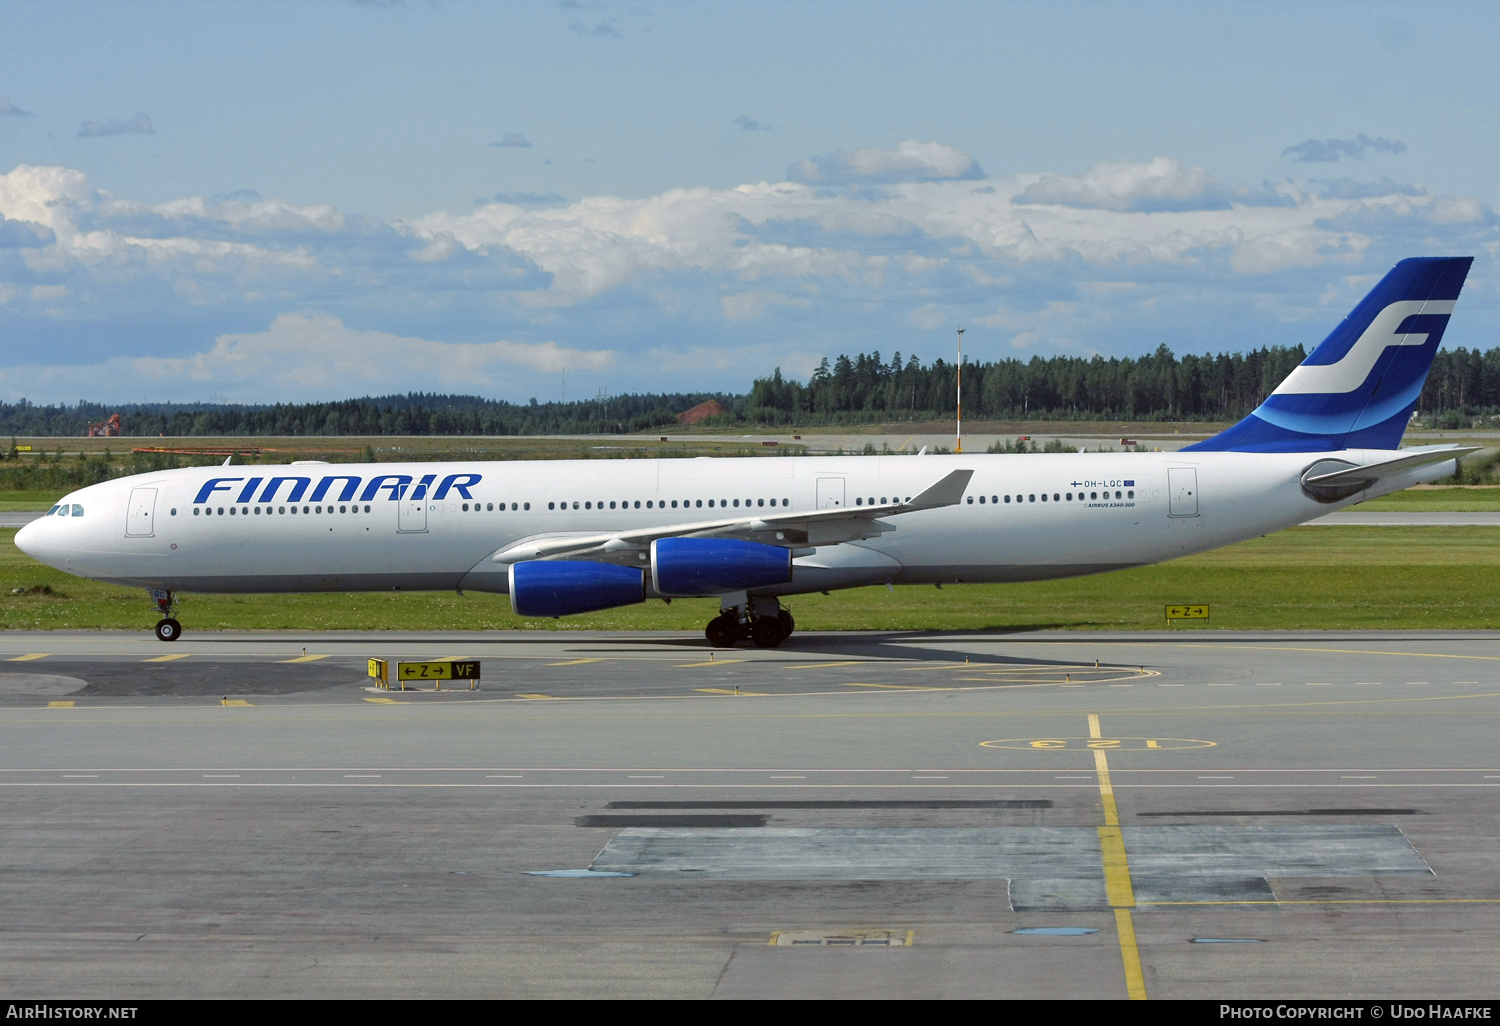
pixel 947 492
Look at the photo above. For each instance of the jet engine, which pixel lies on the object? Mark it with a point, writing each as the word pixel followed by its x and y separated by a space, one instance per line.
pixel 564 587
pixel 713 566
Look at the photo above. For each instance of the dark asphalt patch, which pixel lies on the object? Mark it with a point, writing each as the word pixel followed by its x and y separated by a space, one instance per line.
pixel 621 822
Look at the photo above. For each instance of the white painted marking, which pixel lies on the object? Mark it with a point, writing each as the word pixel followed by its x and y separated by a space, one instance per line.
pixel 361 776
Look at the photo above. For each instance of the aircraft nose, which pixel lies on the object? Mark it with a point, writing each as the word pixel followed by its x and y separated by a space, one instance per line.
pixel 27 533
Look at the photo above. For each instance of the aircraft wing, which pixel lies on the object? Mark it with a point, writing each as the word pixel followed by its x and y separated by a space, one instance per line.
pixel 789 529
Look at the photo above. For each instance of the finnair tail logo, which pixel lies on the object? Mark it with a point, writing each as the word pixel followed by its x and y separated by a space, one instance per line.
pixel 1351 371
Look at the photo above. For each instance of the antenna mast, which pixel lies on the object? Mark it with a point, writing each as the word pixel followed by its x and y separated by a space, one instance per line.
pixel 959 448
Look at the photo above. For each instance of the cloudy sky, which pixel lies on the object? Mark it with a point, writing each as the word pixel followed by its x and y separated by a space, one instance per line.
pixel 270 201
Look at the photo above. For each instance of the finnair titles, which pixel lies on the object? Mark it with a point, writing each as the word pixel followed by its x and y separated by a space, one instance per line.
pixel 566 537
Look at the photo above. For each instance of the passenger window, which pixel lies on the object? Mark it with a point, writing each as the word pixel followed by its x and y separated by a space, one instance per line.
pixel 760 502
pixel 860 502
pixel 575 505
pixel 994 498
pixel 638 504
pixel 221 511
pixel 174 508
pixel 1007 498
pixel 513 505
pixel 710 504
pixel 367 509
pixel 1117 495
pixel 257 511
pixel 1055 497
pixel 1093 496
pixel 674 504
pixel 971 500
pixel 981 500
pixel 195 511
pixel 232 511
pixel 282 509
pixel 1033 498
pixel 700 503
pixel 1044 496
pixel 1130 494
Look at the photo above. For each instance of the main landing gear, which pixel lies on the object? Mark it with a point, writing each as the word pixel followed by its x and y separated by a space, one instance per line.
pixel 761 620
pixel 167 628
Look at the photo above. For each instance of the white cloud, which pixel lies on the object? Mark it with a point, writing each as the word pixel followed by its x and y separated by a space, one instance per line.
pixel 1160 185
pixel 911 161
pixel 670 287
pixel 313 355
pixel 747 306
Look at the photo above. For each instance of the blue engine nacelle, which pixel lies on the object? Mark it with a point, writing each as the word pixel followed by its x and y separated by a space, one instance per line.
pixel 564 587
pixel 713 566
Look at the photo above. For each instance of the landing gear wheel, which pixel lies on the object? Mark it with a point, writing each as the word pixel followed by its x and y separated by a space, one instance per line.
pixel 768 631
pixel 722 631
pixel 168 630
pixel 787 624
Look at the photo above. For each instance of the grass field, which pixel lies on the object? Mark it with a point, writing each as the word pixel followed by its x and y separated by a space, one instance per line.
pixel 1311 577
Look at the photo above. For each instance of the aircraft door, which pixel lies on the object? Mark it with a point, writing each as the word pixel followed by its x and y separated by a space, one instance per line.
pixel 139 521
pixel 1182 492
pixel 411 516
pixel 830 493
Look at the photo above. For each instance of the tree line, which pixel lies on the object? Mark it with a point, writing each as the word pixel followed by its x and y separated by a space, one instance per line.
pixel 1463 386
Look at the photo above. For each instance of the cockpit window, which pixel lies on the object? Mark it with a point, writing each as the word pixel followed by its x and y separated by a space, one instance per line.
pixel 77 510
pixel 62 510
pixel 51 511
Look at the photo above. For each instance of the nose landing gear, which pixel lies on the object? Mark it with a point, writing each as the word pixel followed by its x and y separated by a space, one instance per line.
pixel 167 628
pixel 761 620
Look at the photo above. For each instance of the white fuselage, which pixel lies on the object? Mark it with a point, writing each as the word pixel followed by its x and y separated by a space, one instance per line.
pixel 1066 514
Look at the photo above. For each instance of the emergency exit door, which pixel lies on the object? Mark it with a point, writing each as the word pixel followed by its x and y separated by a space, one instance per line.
pixel 1182 492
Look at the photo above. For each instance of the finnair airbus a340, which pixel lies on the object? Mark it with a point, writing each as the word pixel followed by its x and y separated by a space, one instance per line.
pixel 571 537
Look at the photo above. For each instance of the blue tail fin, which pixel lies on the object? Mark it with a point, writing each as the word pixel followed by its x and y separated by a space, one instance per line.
pixel 1357 389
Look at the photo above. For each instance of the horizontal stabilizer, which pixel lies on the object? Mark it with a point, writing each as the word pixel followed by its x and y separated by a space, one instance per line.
pixel 1333 479
pixel 1373 472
